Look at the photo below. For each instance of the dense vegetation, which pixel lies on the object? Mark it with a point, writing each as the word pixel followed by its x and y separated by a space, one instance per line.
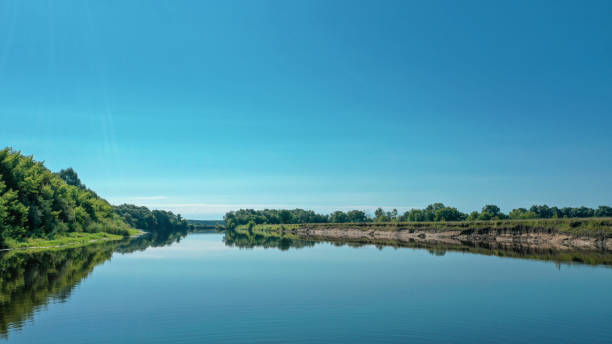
pixel 588 227
pixel 158 221
pixel 436 212
pixel 35 202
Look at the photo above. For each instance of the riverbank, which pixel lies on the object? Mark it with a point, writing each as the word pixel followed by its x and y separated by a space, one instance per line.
pixel 556 234
pixel 73 239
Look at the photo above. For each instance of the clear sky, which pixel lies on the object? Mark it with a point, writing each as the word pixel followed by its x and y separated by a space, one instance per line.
pixel 200 107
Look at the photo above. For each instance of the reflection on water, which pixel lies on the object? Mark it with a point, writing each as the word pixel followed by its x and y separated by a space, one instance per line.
pixel 30 280
pixel 336 290
pixel 249 239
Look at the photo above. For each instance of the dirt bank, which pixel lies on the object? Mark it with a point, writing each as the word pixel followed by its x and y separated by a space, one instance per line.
pixel 490 237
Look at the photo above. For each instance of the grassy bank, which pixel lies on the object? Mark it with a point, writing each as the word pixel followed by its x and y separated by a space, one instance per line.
pixel 588 227
pixel 73 239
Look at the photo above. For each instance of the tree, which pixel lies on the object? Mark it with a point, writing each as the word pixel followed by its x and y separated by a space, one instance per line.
pixel 603 211
pixel 392 215
pixel 473 216
pixel 357 216
pixel 35 202
pixel 448 214
pixel 522 213
pixel 490 212
pixel 415 215
pixel 338 217
pixel 584 212
pixel 430 211
pixel 380 215
pixel 284 216
pixel 71 177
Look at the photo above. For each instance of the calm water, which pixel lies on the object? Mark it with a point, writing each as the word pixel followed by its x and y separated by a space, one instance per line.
pixel 205 289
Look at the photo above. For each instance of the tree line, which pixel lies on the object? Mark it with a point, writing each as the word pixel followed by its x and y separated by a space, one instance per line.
pixel 35 202
pixel 159 221
pixel 432 213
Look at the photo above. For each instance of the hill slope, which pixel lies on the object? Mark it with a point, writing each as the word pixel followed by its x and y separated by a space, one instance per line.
pixel 37 203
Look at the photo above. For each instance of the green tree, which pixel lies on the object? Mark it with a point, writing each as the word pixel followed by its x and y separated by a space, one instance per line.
pixel 71 177
pixel 430 211
pixel 284 216
pixel 490 212
pixel 448 214
pixel 415 215
pixel 473 216
pixel 522 213
pixel 603 211
pixel 381 216
pixel 35 202
pixel 338 217
pixel 357 216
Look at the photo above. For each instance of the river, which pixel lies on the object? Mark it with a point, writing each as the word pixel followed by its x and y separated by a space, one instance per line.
pixel 224 289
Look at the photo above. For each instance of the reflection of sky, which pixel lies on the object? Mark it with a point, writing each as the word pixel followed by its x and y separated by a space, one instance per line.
pixel 200 291
pixel 194 247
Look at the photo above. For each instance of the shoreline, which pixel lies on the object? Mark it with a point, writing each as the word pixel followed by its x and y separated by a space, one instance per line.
pixel 72 240
pixel 555 241
pixel 552 234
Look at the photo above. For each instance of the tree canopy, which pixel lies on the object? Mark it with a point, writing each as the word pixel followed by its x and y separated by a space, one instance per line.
pixel 435 212
pixel 34 202
pixel 151 221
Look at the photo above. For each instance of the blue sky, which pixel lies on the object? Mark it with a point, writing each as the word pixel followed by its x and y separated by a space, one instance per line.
pixel 201 107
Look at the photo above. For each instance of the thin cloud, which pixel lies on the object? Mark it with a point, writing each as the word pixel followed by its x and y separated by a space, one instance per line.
pixel 148 198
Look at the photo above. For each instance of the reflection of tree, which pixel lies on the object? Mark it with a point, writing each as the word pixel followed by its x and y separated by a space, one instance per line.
pixel 30 280
pixel 149 240
pixel 273 239
pixel 249 240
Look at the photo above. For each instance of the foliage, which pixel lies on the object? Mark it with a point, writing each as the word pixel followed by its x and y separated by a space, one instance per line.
pixel 436 212
pixel 587 227
pixel 158 221
pixel 522 213
pixel 491 212
pixel 433 212
pixel 71 178
pixel 36 203
pixel 272 216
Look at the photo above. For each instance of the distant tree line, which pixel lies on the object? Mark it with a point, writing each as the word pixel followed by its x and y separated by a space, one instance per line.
pixel 159 221
pixel 272 216
pixel 432 213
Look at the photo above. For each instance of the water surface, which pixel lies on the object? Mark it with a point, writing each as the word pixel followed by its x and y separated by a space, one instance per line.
pixel 207 289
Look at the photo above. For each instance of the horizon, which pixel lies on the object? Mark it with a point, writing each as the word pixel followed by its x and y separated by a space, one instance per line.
pixel 205 108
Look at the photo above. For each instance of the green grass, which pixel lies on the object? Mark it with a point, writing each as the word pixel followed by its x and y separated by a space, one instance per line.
pixel 135 232
pixel 590 227
pixel 74 239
